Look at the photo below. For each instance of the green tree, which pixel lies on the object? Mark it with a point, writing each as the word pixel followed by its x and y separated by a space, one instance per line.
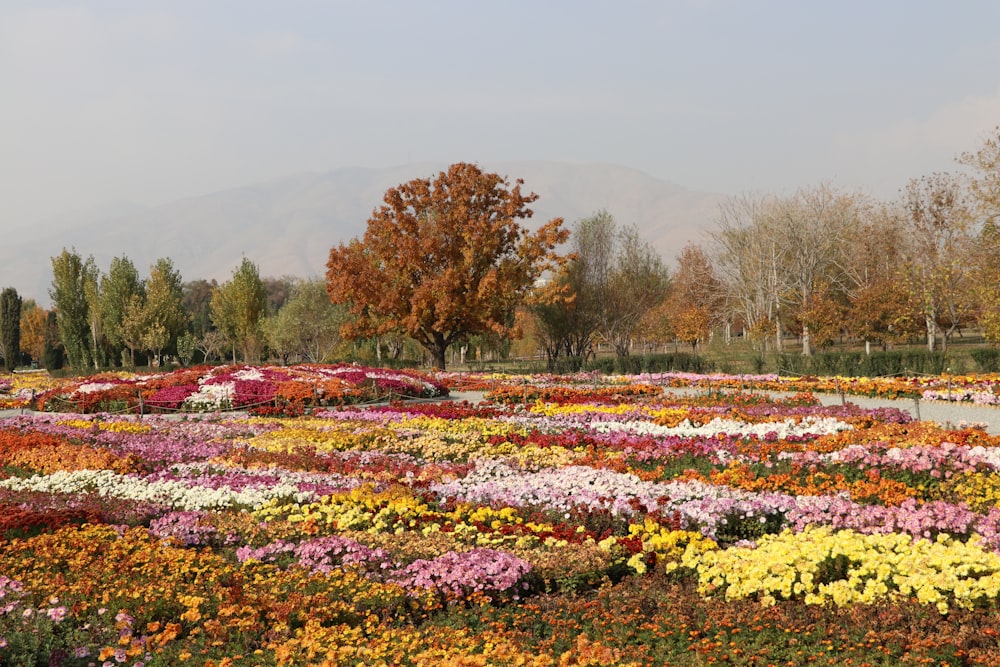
pixel 551 312
pixel 186 345
pixel 307 325
pixel 10 328
pixel 134 324
pixel 442 260
pixel 279 290
pixel 70 274
pixel 117 288
pixel 237 308
pixel 197 298
pixel 165 315
pixel 53 351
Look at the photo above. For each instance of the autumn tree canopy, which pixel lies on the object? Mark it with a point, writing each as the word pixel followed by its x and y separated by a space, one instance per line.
pixel 443 259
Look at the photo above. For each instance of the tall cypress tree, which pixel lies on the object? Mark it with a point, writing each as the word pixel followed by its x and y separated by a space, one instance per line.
pixel 10 328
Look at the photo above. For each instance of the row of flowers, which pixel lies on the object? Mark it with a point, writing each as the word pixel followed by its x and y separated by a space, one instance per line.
pixel 654 525
pixel 979 389
pixel 271 389
pixel 291 390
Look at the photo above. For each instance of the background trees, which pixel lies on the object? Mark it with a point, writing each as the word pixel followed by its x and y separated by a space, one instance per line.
pixel 307 325
pixel 636 282
pixel 162 315
pixel 10 328
pixel 237 307
pixel 446 260
pixel 443 259
pixel 611 280
pixel 70 275
pixel 33 329
pixel 119 287
pixel 696 298
pixel 937 223
pixel 748 260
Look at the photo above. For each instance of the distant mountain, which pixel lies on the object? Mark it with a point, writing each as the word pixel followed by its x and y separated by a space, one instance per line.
pixel 288 226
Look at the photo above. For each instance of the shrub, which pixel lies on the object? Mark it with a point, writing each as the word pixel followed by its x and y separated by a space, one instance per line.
pixel 987 359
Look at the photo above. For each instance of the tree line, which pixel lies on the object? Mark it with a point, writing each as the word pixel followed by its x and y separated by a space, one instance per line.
pixel 820 264
pixel 118 318
pixel 446 264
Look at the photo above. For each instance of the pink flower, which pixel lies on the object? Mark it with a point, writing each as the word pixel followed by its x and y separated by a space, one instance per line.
pixel 57 614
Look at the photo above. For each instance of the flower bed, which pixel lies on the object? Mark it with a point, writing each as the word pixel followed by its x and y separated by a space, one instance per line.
pixel 983 389
pixel 269 389
pixel 613 526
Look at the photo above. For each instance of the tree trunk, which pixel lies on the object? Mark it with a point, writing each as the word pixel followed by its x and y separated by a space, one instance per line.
pixel 931 332
pixel 438 348
pixel 806 342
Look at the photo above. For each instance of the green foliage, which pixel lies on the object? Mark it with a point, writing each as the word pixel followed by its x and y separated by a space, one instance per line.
pixel 858 364
pixel 117 288
pixel 70 275
pixel 52 351
pixel 987 359
pixel 633 364
pixel 237 308
pixel 164 308
pixel 10 328
pixel 307 325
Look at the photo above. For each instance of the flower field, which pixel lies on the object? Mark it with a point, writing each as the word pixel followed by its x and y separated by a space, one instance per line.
pixel 558 523
pixel 262 390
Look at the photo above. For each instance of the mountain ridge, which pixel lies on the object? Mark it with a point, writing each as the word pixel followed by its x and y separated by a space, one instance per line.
pixel 287 225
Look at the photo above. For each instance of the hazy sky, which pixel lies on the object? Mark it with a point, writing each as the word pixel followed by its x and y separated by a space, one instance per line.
pixel 152 101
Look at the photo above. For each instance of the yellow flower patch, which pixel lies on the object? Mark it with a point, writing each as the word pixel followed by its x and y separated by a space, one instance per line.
pixel 820 566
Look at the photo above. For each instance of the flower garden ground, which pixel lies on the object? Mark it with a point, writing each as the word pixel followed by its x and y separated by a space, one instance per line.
pixel 561 521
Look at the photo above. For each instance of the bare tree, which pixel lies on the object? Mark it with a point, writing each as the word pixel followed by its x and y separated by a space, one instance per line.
pixel 938 225
pixel 748 260
pixel 638 282
pixel 813 227
pixel 773 253
pixel 984 184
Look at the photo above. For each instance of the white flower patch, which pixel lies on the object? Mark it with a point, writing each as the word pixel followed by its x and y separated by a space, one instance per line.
pixel 211 396
pixel 249 374
pixel 989 456
pixel 171 493
pixel 91 387
pixel 780 429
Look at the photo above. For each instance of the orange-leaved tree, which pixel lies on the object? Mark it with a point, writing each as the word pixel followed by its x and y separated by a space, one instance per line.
pixel 443 259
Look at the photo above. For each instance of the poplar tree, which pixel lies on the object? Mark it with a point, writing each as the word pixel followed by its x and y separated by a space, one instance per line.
pixel 70 274
pixel 237 308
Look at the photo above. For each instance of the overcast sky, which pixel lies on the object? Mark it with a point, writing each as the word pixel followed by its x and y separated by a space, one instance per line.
pixel 150 101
